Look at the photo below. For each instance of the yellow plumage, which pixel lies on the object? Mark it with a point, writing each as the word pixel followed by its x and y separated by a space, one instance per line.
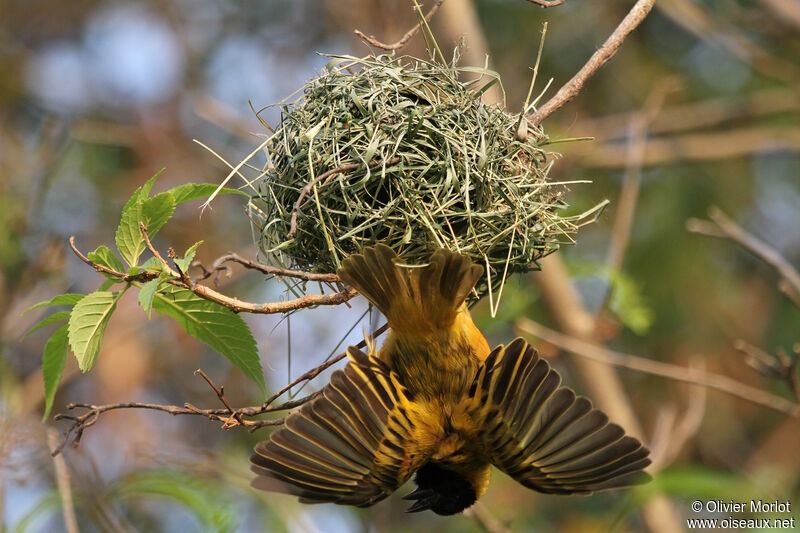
pixel 437 401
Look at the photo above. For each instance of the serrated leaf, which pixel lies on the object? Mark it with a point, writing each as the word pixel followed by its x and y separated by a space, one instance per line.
pixel 55 317
pixel 215 325
pixel 194 191
pixel 146 294
pixel 153 212
pixel 152 263
pixel 68 298
pixel 87 324
pixel 156 211
pixel 103 255
pixel 188 257
pixel 128 238
pixel 144 190
pixel 53 360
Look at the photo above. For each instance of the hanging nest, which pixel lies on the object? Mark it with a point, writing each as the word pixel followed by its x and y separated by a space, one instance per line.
pixel 399 150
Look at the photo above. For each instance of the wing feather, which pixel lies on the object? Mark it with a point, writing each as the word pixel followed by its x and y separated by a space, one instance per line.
pixel 542 434
pixel 353 444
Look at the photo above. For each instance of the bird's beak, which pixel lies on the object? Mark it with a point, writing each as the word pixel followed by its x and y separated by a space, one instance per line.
pixel 425 500
pixel 418 494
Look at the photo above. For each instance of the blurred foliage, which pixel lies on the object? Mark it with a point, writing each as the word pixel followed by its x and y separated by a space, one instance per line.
pixel 96 96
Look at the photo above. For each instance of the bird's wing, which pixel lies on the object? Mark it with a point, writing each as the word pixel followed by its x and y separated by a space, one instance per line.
pixel 353 444
pixel 541 434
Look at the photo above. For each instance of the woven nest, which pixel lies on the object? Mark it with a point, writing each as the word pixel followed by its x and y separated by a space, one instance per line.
pixel 399 150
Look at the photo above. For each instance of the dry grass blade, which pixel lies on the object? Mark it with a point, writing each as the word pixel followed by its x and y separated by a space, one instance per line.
pixel 399 150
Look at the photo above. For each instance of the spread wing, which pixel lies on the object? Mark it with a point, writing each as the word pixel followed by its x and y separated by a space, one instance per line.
pixel 353 444
pixel 544 436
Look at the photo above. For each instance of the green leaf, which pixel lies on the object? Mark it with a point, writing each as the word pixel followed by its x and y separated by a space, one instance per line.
pixel 144 190
pixel 68 298
pixel 156 211
pixel 153 212
pixel 194 191
pixel 88 323
pixel 146 294
pixel 152 263
pixel 103 255
pixel 55 317
pixel 188 257
pixel 215 325
pixel 55 356
pixel 128 238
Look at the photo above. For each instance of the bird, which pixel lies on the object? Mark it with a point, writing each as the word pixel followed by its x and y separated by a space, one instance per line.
pixel 434 401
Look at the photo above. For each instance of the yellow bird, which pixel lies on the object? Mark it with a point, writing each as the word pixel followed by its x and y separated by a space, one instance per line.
pixel 437 401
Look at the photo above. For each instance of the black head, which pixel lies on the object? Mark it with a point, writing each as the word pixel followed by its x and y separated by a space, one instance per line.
pixel 442 491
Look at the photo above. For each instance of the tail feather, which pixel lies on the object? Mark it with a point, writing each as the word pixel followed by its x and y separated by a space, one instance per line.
pixel 419 299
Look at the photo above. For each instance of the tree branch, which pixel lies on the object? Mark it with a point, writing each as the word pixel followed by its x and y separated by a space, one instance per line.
pixel 782 366
pixel 273 270
pixel 63 484
pixel 724 227
pixel 314 372
pixel 371 40
pixel 570 89
pixel 141 276
pixel 234 304
pixel 547 3
pixel 229 416
pixel 629 195
pixel 657 368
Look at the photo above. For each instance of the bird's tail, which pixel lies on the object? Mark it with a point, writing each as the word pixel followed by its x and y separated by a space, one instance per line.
pixel 414 299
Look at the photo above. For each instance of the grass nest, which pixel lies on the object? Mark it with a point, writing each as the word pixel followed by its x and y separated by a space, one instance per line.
pixel 399 150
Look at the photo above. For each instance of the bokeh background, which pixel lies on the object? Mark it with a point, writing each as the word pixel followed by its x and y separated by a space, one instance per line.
pixel 702 103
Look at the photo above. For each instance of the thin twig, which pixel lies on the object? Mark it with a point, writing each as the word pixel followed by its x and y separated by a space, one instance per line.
pixel 697 115
pixel 140 277
pixel 657 368
pixel 371 40
pixel 709 27
pixel 229 416
pixel 667 443
pixel 235 418
pixel 63 484
pixel 234 304
pixel 570 89
pixel 238 306
pixel 782 366
pixel 547 3
pixel 723 144
pixel 153 250
pixel 628 198
pixel 314 372
pixel 325 176
pixel 273 270
pixel 725 227
pixel 629 194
